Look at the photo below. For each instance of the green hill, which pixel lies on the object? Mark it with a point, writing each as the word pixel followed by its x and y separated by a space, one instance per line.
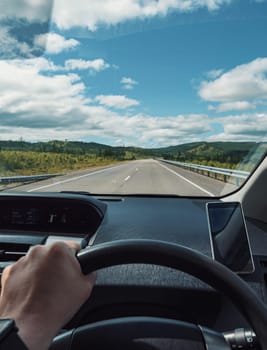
pixel 223 152
pixel 21 157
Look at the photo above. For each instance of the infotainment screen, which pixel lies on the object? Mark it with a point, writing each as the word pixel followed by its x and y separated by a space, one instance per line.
pixel 228 235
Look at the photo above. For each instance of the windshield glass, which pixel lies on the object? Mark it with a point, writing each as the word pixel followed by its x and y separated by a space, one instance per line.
pixel 132 96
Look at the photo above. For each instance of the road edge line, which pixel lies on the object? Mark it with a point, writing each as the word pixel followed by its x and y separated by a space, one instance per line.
pixel 73 178
pixel 185 179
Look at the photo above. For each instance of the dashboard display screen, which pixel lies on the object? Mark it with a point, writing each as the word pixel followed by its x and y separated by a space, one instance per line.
pixel 22 216
pixel 57 214
pixel 229 238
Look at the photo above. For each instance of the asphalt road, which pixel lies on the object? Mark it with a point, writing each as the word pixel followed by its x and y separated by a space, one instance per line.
pixel 135 177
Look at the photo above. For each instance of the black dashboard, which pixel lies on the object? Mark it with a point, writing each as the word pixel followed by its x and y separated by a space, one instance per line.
pixel 136 289
pixel 51 213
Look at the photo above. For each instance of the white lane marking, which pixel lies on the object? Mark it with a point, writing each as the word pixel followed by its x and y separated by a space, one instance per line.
pixel 127 178
pixel 73 179
pixel 185 179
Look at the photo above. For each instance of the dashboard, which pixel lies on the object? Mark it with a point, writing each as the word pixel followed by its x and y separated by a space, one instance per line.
pixel 48 213
pixel 136 289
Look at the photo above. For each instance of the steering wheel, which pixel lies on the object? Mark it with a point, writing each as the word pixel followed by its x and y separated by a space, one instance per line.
pixel 119 331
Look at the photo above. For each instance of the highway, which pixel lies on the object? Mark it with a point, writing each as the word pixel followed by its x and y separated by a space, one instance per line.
pixel 136 177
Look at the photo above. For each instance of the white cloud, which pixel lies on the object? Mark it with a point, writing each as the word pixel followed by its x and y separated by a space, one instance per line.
pixel 36 64
pixel 250 125
pixel 116 101
pixel 78 64
pixel 93 13
pixel 128 83
pixel 233 106
pixel 39 107
pixel 139 130
pixel 169 130
pixel 10 47
pixel 244 127
pixel 30 99
pixel 54 43
pixel 32 10
pixel 246 82
pixel 42 64
pixel 147 130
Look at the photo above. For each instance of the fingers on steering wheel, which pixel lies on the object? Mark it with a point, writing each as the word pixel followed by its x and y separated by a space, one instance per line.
pixel 74 246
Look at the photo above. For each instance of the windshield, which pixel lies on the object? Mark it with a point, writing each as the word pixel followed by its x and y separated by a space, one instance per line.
pixel 132 96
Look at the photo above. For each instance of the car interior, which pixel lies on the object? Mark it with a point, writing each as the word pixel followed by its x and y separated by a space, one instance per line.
pixel 152 289
pixel 174 271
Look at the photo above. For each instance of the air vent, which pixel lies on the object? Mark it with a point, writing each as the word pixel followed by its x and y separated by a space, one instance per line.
pixel 13 247
pixel 13 251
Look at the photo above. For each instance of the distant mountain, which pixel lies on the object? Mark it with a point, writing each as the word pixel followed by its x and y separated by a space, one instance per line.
pixel 228 152
pixel 223 152
pixel 54 146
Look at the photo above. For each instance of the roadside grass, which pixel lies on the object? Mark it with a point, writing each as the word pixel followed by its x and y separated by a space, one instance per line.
pixel 14 163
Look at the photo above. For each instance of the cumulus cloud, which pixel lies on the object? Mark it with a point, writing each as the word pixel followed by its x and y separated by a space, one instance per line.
pixel 116 101
pixel 10 47
pixel 37 10
pixel 170 130
pixel 51 43
pixel 28 98
pixel 42 64
pixel 54 43
pixel 147 130
pixel 91 14
pixel 244 127
pixel 233 106
pixel 128 83
pixel 78 64
pixel 36 64
pixel 40 107
pixel 246 82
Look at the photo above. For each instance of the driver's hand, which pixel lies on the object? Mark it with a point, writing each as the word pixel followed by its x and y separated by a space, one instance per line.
pixel 43 290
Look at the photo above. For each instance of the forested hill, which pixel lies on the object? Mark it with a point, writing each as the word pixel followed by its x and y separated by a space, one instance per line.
pixel 55 146
pixel 232 152
pixel 224 152
pixel 21 157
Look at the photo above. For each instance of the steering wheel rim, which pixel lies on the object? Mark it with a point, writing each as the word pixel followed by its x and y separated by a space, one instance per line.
pixel 183 259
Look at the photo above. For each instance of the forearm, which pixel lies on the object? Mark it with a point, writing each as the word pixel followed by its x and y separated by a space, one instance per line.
pixel 35 338
pixel 33 333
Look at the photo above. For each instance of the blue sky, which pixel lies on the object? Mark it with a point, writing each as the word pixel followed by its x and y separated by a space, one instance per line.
pixel 131 72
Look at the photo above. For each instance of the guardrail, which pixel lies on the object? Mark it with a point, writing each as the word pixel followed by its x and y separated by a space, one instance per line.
pixel 219 173
pixel 5 180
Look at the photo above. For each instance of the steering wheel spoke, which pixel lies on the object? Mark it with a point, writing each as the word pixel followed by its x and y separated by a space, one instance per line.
pixel 141 333
pixel 183 259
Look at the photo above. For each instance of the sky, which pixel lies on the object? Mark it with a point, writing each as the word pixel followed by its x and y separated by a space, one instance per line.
pixel 149 73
